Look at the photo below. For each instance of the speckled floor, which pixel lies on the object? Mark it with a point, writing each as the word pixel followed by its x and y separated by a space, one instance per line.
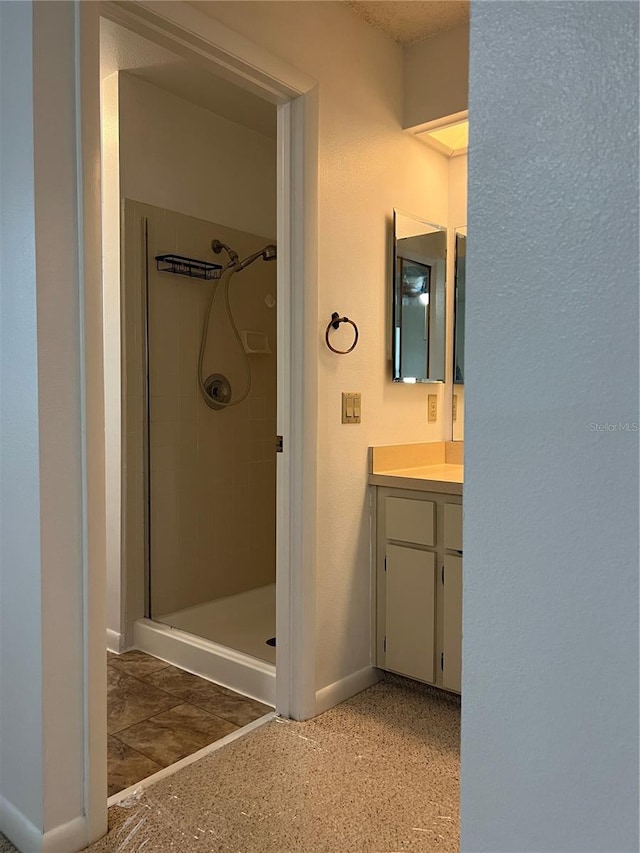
pixel 377 774
pixel 6 846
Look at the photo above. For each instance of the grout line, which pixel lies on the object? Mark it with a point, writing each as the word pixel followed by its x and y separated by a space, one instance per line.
pixel 136 789
pixel 140 751
pixel 139 754
pixel 181 700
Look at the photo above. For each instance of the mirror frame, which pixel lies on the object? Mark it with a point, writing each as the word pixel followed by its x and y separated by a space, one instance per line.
pixel 458 232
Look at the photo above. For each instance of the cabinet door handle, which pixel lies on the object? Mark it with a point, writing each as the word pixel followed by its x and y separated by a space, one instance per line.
pixel 442 573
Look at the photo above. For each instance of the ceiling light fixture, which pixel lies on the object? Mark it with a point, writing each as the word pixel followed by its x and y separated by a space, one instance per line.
pixel 449 135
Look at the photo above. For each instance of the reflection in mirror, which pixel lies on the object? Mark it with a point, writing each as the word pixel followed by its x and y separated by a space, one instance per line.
pixel 418 300
pixel 458 333
pixel 458 337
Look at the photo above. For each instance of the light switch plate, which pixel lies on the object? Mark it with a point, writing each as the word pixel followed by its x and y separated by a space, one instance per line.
pixel 432 408
pixel 351 407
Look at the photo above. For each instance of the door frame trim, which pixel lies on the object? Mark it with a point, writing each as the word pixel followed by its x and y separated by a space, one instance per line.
pixel 197 37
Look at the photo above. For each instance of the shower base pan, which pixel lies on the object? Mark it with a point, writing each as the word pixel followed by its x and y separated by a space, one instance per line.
pixel 243 622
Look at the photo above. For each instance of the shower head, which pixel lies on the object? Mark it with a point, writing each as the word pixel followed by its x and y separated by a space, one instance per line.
pixel 218 246
pixel 269 253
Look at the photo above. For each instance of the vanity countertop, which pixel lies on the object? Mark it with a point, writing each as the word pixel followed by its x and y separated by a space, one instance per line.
pixel 429 467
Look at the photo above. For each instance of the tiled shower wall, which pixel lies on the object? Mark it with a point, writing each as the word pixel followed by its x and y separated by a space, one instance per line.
pixel 212 473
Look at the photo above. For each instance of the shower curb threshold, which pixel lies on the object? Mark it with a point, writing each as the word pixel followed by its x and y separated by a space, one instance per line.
pixel 230 668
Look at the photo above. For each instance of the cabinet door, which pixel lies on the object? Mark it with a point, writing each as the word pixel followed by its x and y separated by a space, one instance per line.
pixel 452 623
pixel 453 526
pixel 410 612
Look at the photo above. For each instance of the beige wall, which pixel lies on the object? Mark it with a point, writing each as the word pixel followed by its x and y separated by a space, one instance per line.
pixel 367 166
pixel 436 77
pixel 110 151
pixel 178 156
pixel 213 473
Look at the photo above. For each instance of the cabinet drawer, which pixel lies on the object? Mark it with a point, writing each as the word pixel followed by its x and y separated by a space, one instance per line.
pixel 410 520
pixel 453 526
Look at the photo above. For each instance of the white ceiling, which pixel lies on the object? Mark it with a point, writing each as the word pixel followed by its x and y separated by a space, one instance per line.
pixel 123 50
pixel 409 21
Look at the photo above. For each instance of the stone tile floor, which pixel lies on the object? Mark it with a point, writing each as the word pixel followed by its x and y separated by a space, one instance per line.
pixel 158 714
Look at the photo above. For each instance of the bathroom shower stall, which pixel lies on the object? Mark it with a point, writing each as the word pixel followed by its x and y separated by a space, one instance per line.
pixel 203 331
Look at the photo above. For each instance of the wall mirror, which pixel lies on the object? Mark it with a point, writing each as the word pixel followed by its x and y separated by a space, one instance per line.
pixel 458 332
pixel 460 298
pixel 420 255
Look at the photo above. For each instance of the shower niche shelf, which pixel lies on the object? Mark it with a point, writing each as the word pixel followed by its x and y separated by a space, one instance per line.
pixel 190 267
pixel 255 343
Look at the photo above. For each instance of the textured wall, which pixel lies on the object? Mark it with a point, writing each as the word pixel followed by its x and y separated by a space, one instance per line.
pixel 20 569
pixel 550 712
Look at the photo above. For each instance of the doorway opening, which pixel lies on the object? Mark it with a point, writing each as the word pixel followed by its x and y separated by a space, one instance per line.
pixel 200 515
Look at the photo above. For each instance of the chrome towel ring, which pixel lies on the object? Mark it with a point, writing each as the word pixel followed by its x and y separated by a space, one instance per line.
pixel 334 323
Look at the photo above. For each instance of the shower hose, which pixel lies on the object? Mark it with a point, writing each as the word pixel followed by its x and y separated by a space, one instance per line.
pixel 209 400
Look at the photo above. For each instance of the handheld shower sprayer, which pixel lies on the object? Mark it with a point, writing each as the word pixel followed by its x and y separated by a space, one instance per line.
pixel 268 253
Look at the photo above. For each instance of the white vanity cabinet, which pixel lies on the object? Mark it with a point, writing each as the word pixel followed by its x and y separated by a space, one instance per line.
pixel 418 585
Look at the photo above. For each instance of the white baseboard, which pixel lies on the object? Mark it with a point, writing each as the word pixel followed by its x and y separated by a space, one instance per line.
pixel 68 838
pixel 346 687
pixel 232 669
pixel 19 829
pixel 115 641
